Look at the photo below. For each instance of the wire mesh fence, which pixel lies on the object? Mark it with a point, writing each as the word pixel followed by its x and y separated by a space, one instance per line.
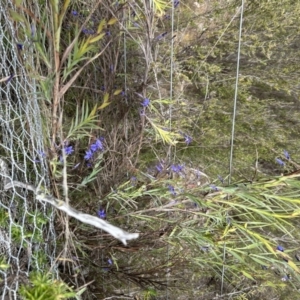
pixel 27 236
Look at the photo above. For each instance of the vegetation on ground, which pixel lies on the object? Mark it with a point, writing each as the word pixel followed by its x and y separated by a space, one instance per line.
pixel 140 130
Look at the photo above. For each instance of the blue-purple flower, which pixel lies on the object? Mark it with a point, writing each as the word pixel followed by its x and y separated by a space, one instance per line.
pixel 187 139
pixel 145 102
pixel 286 154
pixel 68 150
pixel 75 13
pixel 88 155
pixel 171 189
pixel 97 146
pixel 101 213
pixel 159 167
pixel 20 46
pixel 42 153
pixel 280 248
pixel 110 262
pixel 176 3
pixel 176 168
pixel 280 162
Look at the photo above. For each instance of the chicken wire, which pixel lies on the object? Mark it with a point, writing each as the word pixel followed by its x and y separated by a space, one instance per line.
pixel 27 236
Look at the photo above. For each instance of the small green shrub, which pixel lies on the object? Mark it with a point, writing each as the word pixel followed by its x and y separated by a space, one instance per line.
pixel 43 287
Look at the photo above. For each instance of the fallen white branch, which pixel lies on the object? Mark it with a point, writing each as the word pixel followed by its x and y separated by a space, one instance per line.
pixel 116 232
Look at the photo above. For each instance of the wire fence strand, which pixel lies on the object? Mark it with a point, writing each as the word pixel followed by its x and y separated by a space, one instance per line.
pixel 27 235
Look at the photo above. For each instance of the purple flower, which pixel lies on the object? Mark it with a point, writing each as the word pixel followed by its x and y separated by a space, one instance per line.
pixel 188 139
pixel 68 150
pixel 286 154
pixel 176 3
pixel 101 213
pixel 159 167
pixel 75 13
pixel 93 148
pixel 20 46
pixel 176 168
pixel 110 262
pixel 88 155
pixel 97 146
pixel 146 102
pixel 42 153
pixel 280 248
pixel 171 189
pixel 280 162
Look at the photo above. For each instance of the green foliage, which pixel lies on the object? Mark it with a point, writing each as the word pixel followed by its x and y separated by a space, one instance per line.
pixel 190 230
pixel 43 287
pixel 3 264
pixel 94 173
pixel 83 123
